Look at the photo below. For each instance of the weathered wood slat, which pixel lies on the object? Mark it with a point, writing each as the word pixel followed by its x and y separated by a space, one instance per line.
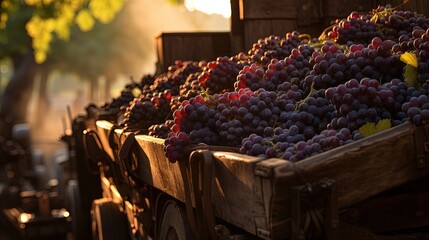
pixel 262 9
pixel 191 46
pixel 156 169
pixel 361 170
pixel 234 195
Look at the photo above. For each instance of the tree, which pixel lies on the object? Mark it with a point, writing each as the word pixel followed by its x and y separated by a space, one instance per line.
pixel 27 30
pixel 108 50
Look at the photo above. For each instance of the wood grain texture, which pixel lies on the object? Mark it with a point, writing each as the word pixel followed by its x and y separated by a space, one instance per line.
pixel 263 9
pixel 234 195
pixel 361 170
pixel 191 46
pixel 342 8
pixel 155 168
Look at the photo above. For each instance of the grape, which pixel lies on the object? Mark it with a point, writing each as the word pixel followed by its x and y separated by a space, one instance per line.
pixel 161 130
pixel 220 75
pixel 273 47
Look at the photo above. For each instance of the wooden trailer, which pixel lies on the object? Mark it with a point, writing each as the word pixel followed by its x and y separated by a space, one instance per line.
pixel 266 198
pixel 357 191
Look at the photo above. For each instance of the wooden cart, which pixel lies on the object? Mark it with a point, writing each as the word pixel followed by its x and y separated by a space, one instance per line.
pixel 272 198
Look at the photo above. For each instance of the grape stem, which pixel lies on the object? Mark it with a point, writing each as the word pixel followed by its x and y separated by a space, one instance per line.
pixel 306 98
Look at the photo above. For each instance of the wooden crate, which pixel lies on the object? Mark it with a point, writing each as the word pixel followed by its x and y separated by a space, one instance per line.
pixel 193 46
pixel 255 194
pixel 260 18
pixel 419 6
pixel 252 20
pixel 342 8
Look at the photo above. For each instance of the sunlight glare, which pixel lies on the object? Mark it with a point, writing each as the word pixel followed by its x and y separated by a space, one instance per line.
pixel 221 7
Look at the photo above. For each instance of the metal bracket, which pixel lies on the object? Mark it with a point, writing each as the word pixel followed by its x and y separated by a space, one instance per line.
pixel 314 206
pixel 422 146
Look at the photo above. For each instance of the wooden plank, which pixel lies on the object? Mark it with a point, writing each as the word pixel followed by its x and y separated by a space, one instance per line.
pixel 103 130
pixel 361 170
pixel 254 30
pixel 192 46
pixel 234 197
pixel 263 9
pixel 237 29
pixel 155 169
pixel 342 8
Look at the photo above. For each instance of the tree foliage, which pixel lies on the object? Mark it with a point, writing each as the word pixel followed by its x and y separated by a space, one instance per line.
pixel 49 19
pixel 114 48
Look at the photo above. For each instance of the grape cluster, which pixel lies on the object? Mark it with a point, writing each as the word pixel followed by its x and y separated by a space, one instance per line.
pixel 140 115
pixel 126 96
pixel 193 123
pixel 191 87
pixel 290 145
pixel 273 47
pixel 329 67
pixel 355 29
pixel 333 66
pixel 417 44
pixel 416 107
pixel 244 112
pixel 396 23
pixel 357 103
pixel 176 76
pixel 161 130
pixel 220 75
pixel 252 77
pixel 383 22
pixel 295 66
pixel 326 140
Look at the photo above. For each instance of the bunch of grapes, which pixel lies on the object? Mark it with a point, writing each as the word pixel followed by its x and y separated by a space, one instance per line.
pixel 253 77
pixel 176 76
pixel 191 87
pixel 333 67
pixel 355 29
pixel 416 107
pixel 417 44
pixel 219 76
pixel 329 67
pixel 290 145
pixel 325 141
pixel 123 100
pixel 140 115
pixel 161 130
pixel 395 23
pixel 244 112
pixel 293 68
pixel 357 103
pixel 193 123
pixel 273 47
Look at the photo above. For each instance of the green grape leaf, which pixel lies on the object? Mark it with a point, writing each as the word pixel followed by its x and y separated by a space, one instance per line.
pixel 136 92
pixel 382 125
pixel 410 76
pixel 409 59
pixel 368 129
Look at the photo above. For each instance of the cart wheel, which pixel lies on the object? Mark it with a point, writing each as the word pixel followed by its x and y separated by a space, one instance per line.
pixel 80 219
pixel 174 224
pixel 108 221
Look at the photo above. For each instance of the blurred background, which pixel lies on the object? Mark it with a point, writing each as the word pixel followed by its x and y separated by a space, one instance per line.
pixel 92 66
